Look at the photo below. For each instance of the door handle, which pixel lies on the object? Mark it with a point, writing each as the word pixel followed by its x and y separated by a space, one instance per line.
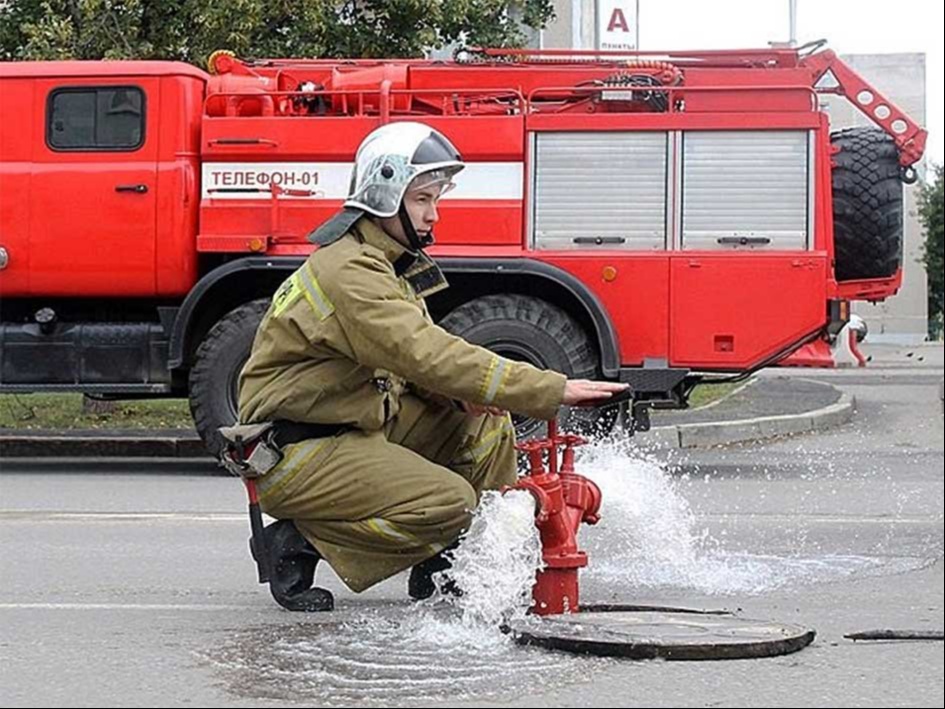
pixel 743 240
pixel 137 189
pixel 599 241
pixel 265 142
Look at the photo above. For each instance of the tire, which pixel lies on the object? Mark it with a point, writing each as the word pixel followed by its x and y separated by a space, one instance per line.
pixel 531 330
pixel 214 378
pixel 867 205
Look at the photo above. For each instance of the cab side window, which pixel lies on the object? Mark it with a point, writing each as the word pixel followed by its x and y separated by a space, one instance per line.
pixel 96 118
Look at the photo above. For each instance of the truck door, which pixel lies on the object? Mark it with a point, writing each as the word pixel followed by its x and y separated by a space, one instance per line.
pixel 93 197
pixel 16 134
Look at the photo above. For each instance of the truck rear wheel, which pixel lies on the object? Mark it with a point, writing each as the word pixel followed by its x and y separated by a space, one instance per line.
pixel 531 330
pixel 867 205
pixel 214 378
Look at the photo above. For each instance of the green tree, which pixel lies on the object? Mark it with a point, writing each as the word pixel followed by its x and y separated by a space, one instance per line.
pixel 930 214
pixel 189 30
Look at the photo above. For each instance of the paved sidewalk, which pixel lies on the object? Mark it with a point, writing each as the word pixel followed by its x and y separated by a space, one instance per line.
pixel 767 407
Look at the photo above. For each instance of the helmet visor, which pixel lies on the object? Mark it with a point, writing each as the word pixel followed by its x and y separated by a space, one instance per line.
pixel 440 180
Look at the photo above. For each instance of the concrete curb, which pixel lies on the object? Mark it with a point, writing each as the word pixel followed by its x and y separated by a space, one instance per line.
pixel 104 446
pixel 719 433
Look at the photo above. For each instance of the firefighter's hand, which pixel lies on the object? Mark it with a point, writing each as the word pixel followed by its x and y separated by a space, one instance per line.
pixel 479 409
pixel 584 392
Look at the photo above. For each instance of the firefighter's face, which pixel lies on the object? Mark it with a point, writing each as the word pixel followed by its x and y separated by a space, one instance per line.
pixel 421 205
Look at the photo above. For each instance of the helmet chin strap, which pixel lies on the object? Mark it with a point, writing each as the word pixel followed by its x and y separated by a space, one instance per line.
pixel 413 238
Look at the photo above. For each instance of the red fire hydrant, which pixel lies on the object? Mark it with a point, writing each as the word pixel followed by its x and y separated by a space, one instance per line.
pixel 563 501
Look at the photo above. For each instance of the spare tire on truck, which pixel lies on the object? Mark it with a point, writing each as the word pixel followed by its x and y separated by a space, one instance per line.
pixel 867 205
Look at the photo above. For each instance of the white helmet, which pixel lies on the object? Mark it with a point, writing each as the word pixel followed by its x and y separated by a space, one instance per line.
pixel 392 157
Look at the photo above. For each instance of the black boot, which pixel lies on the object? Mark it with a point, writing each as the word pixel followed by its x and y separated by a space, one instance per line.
pixel 292 562
pixel 421 586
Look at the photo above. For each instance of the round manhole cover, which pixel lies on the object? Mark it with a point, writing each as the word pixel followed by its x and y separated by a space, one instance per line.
pixel 671 634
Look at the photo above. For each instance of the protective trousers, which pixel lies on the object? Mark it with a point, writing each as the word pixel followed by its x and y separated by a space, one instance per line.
pixel 376 503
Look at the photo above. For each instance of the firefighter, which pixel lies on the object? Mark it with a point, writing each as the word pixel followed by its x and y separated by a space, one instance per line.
pixel 390 428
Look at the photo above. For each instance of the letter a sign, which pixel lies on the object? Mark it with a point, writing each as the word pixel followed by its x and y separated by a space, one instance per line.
pixel 617 24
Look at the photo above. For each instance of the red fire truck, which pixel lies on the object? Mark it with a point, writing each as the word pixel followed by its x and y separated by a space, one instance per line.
pixel 655 218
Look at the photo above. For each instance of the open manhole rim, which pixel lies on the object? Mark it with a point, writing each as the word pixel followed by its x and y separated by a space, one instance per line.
pixel 648 651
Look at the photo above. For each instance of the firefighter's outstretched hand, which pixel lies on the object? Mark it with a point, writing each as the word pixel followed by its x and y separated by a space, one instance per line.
pixel 584 392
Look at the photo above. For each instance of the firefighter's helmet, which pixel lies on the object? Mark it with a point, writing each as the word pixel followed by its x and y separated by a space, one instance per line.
pixel 392 157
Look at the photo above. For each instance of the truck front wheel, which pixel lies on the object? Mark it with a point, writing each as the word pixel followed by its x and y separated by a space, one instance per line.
pixel 214 378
